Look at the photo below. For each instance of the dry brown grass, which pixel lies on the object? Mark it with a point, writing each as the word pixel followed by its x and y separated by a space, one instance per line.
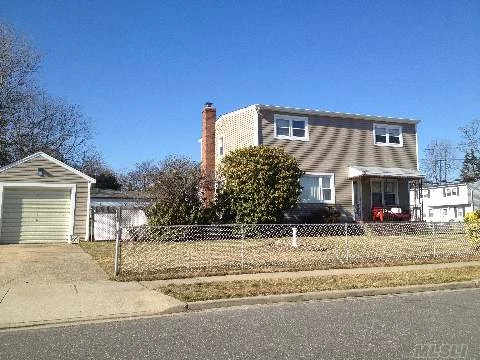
pixel 103 252
pixel 157 260
pixel 166 260
pixel 236 289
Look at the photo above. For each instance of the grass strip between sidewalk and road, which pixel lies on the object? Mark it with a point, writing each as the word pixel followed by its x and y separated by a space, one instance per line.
pixel 247 288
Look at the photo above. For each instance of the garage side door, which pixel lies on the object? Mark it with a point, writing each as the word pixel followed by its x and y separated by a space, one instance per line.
pixel 35 214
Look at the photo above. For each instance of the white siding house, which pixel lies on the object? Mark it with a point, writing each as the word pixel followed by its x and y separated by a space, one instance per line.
pixel 448 202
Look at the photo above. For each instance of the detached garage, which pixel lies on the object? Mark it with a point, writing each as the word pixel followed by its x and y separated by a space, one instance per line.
pixel 43 200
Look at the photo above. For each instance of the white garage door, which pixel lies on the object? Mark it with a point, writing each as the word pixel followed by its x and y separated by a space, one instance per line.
pixel 35 214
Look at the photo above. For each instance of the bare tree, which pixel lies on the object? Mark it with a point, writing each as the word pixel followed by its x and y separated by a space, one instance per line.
pixel 50 125
pixel 176 193
pixel 94 165
pixel 30 119
pixel 440 163
pixel 142 177
pixel 470 134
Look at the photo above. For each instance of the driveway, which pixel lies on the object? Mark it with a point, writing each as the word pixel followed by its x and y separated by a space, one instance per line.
pixel 49 284
pixel 46 263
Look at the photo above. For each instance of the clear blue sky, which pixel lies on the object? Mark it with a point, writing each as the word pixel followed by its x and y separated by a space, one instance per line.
pixel 141 70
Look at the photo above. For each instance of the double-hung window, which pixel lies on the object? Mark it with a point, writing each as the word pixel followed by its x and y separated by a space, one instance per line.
pixel 291 127
pixel 318 188
pixel 387 135
pixel 384 192
pixel 459 212
pixel 450 191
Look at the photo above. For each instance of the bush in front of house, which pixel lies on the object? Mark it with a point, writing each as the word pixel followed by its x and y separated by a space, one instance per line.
pixel 472 228
pixel 261 183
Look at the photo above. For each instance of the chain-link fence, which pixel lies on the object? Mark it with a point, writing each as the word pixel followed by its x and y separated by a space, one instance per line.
pixel 181 251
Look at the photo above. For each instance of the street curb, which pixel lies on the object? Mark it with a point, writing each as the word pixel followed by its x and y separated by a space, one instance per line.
pixel 254 300
pixel 174 309
pixel 327 295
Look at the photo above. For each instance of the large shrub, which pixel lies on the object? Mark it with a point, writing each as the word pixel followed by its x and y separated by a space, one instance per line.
pixel 472 227
pixel 175 193
pixel 261 183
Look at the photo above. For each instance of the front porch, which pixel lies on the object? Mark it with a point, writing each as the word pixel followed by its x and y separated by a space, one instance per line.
pixel 383 194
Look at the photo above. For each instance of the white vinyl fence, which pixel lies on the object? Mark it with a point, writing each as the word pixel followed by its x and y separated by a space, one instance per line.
pixel 103 221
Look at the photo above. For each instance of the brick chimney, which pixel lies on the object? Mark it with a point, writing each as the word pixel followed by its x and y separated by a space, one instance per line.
pixel 209 115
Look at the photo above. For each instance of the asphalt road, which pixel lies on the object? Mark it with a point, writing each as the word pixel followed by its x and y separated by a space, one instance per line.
pixel 387 327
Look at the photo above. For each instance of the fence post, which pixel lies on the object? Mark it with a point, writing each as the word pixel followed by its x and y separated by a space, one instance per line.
pixel 347 250
pixel 118 240
pixel 294 237
pixel 91 236
pixel 242 227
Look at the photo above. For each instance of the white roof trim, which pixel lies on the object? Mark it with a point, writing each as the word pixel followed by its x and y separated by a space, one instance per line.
pixel 375 171
pixel 52 159
pixel 337 114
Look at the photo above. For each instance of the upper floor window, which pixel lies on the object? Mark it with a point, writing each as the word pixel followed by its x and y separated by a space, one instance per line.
pixel 291 127
pixel 318 188
pixel 220 146
pixel 387 135
pixel 450 191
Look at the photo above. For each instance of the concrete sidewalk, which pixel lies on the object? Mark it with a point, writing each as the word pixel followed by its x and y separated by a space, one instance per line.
pixel 30 304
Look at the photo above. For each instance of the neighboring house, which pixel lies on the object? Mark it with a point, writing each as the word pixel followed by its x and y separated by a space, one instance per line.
pixel 353 163
pixel 447 202
pixel 107 205
pixel 43 200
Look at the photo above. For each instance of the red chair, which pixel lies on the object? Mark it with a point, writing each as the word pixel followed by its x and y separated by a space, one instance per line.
pixel 378 213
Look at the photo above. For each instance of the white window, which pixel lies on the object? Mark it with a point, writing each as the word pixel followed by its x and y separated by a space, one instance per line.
pixel 459 212
pixel 387 135
pixel 455 191
pixel 430 212
pixel 444 211
pixel 384 192
pixel 291 127
pixel 220 146
pixel 425 194
pixel 318 188
pixel 448 192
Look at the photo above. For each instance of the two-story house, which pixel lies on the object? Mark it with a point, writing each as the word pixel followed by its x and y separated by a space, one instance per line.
pixel 351 162
pixel 448 201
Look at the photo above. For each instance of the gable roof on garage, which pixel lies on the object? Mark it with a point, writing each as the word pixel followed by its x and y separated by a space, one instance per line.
pixel 41 154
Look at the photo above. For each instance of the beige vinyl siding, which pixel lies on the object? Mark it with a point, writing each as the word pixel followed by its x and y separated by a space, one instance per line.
pixel 54 174
pixel 336 143
pixel 35 214
pixel 237 129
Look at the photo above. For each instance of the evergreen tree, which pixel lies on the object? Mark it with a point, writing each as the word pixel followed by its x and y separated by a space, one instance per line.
pixel 471 167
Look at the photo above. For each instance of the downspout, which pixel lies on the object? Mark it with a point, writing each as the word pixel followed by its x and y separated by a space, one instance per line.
pixel 256 126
